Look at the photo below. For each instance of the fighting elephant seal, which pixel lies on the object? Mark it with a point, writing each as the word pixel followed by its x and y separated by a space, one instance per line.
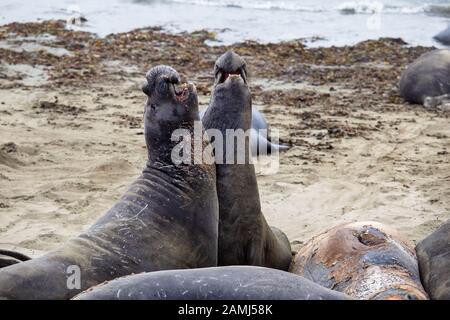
pixel 168 218
pixel 433 253
pixel 231 63
pixel 244 235
pixel 428 76
pixel 220 283
pixel 8 258
pixel 364 260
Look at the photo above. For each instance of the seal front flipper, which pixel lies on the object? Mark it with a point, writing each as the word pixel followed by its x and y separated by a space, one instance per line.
pixel 8 258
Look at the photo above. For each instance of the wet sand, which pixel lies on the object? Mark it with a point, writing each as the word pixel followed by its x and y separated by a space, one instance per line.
pixel 71 131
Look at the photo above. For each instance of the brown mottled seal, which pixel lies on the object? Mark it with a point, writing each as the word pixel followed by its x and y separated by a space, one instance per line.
pixel 428 76
pixel 244 235
pixel 433 253
pixel 220 283
pixel 365 260
pixel 8 258
pixel 168 218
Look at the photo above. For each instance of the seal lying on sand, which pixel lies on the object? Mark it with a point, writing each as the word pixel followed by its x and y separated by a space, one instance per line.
pixel 443 36
pixel 428 76
pixel 168 218
pixel 8 258
pixel 433 253
pixel 364 260
pixel 220 283
pixel 244 235
pixel 228 64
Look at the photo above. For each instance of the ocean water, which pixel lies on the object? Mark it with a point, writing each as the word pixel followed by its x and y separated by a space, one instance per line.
pixel 323 23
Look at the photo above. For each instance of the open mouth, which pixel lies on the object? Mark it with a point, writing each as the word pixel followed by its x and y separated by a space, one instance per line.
pixel 223 76
pixel 181 92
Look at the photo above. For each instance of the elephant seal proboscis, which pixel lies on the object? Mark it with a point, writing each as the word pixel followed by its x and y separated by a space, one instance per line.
pixel 231 63
pixel 220 283
pixel 433 253
pixel 364 260
pixel 168 218
pixel 244 235
pixel 8 258
pixel 426 77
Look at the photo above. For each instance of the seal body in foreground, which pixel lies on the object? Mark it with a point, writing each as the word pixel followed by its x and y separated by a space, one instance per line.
pixel 245 238
pixel 220 283
pixel 166 220
pixel 364 260
pixel 433 253
pixel 232 64
pixel 428 76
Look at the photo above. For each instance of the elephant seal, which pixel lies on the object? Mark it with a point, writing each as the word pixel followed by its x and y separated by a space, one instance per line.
pixel 364 260
pixel 433 253
pixel 443 36
pixel 8 258
pixel 168 218
pixel 231 63
pixel 219 283
pixel 244 235
pixel 428 76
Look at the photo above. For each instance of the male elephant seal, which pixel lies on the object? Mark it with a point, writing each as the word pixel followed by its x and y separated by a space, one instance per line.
pixel 220 283
pixel 228 64
pixel 244 235
pixel 168 218
pixel 8 258
pixel 433 253
pixel 428 76
pixel 364 260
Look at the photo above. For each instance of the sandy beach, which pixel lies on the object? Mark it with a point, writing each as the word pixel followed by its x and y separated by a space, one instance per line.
pixel 71 130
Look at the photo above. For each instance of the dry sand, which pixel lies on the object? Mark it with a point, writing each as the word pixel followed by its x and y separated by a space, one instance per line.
pixel 67 153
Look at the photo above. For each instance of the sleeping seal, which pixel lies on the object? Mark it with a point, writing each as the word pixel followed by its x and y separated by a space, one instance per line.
pixel 231 63
pixel 168 218
pixel 364 260
pixel 433 253
pixel 428 76
pixel 244 235
pixel 220 283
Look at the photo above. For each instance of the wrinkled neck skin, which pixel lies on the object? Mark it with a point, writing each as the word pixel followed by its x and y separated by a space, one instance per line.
pixel 230 108
pixel 158 135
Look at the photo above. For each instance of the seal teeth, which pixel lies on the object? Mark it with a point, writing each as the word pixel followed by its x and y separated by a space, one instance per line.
pixel 182 92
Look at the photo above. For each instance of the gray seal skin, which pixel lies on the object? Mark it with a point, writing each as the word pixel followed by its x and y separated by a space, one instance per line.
pixel 443 36
pixel 231 63
pixel 244 235
pixel 220 283
pixel 168 218
pixel 433 253
pixel 8 258
pixel 428 76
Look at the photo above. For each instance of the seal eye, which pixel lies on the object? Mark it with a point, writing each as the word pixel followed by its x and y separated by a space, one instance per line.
pixel 153 107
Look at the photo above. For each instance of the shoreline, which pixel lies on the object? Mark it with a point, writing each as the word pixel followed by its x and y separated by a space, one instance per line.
pixel 71 130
